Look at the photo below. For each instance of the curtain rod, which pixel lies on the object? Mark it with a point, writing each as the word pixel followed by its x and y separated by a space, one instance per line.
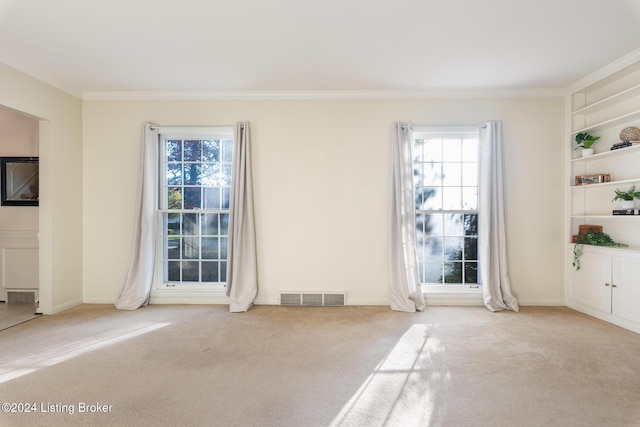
pixel 154 127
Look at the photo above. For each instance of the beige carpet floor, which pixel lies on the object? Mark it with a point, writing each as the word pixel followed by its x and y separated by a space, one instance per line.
pixel 14 314
pixel 347 366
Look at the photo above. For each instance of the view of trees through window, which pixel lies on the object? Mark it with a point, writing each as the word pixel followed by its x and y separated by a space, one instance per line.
pixel 195 190
pixel 445 169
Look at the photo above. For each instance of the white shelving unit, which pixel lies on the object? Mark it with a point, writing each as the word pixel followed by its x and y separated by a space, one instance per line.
pixel 603 107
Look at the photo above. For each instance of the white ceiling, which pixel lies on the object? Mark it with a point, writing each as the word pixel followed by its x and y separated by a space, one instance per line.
pixel 328 45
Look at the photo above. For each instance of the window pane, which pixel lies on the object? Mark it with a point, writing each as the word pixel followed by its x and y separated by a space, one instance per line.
pixel 433 249
pixel 227 150
pixel 211 150
pixel 211 198
pixel 190 247
pixel 432 150
pixel 173 271
pixel 174 150
pixel 434 224
pixel 471 272
pixel 190 271
pixel 210 224
pixel 223 247
pixel 209 174
pixel 453 272
pixel 452 174
pixel 453 225
pixel 224 224
pixel 226 195
pixel 453 248
pixel 469 174
pixel 451 198
pixel 470 150
pixel 174 199
pixel 433 272
pixel 210 248
pixel 174 174
pixel 174 220
pixel 192 198
pixel 190 224
pixel 451 150
pixel 173 247
pixel 469 198
pixel 471 224
pixel 192 174
pixel 223 271
pixel 430 198
pixel 471 248
pixel 192 150
pixel 209 271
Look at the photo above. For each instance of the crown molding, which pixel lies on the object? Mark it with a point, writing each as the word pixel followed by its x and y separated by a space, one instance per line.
pixel 7 60
pixel 604 72
pixel 311 95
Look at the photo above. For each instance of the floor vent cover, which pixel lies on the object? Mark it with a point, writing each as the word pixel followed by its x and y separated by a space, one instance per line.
pixel 300 299
pixel 14 297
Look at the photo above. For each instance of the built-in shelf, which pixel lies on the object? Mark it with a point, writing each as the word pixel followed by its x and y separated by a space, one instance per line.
pixel 609 122
pixel 611 153
pixel 605 216
pixel 609 100
pixel 605 184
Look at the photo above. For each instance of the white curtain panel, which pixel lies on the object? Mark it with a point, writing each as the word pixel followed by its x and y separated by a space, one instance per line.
pixel 406 294
pixel 242 274
pixel 492 240
pixel 139 278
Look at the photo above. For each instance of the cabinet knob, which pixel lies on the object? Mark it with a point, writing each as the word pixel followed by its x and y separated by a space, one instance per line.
pixel 614 286
pixel 606 284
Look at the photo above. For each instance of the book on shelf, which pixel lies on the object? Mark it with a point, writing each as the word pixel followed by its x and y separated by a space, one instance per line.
pixel 626 212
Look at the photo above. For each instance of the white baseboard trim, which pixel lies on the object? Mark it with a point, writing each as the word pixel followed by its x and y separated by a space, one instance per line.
pixel 60 307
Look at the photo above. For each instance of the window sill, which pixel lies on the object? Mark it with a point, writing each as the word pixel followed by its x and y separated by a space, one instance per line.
pixel 189 296
pixel 453 295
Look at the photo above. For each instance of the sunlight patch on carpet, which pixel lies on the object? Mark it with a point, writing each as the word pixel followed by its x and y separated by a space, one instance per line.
pixel 57 354
pixel 400 390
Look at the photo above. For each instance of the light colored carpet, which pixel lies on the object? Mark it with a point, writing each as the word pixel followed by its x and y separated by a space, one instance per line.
pixel 347 366
pixel 14 314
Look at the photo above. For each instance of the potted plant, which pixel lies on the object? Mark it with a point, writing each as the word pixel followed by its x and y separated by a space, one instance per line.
pixel 627 197
pixel 596 238
pixel 585 140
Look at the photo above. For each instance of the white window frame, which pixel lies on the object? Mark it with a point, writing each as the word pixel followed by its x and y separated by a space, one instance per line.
pixel 454 293
pixel 183 289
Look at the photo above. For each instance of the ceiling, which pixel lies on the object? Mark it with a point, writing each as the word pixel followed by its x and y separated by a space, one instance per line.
pixel 329 45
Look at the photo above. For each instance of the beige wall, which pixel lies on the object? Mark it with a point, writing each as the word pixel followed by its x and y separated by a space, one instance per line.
pixel 60 211
pixel 321 180
pixel 18 138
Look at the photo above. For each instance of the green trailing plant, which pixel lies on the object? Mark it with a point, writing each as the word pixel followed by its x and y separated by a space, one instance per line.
pixel 595 239
pixel 630 194
pixel 585 140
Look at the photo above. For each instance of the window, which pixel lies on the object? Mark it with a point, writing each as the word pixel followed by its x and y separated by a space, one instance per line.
pixel 195 187
pixel 445 169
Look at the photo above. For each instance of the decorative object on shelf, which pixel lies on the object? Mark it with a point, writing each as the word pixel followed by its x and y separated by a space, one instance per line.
pixel 627 197
pixel 630 134
pixel 586 140
pixel 595 238
pixel 620 145
pixel 626 212
pixel 593 179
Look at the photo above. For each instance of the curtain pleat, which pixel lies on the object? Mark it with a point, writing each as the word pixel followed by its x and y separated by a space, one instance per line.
pixel 492 240
pixel 242 274
pixel 404 285
pixel 136 287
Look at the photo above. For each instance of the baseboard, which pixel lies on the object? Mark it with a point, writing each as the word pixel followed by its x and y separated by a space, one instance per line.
pixel 60 307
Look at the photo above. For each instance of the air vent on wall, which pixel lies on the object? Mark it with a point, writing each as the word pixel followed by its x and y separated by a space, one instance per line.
pixel 21 297
pixel 299 299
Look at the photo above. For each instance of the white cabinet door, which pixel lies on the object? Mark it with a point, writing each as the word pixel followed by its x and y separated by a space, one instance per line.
pixel 626 291
pixel 591 285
